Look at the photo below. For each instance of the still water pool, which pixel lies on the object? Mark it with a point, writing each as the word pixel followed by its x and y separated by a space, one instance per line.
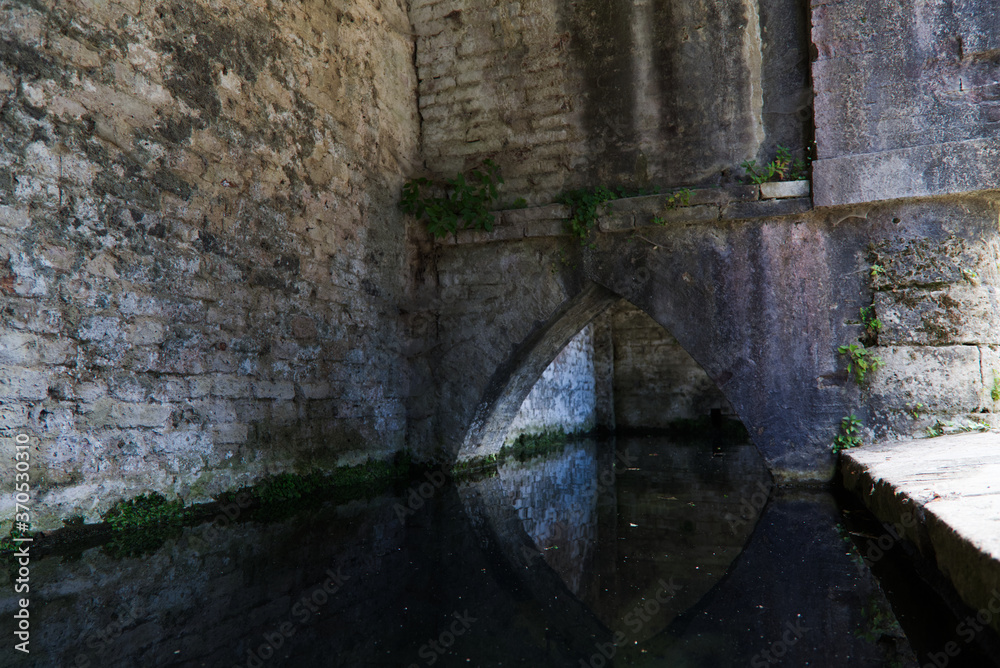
pixel 640 551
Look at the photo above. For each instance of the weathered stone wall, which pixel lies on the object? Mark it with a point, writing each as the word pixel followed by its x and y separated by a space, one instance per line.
pixel 907 98
pixel 620 92
pixel 655 380
pixel 470 308
pixel 762 294
pixel 201 254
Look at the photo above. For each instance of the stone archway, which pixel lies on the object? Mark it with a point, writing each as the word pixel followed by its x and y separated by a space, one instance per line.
pixel 514 379
pixel 754 304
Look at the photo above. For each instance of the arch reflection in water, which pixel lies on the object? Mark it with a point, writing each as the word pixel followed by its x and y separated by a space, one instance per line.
pixel 686 554
pixel 623 521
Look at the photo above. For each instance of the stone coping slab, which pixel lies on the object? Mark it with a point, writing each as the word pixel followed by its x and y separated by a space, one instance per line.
pixel 705 205
pixel 948 168
pixel 943 494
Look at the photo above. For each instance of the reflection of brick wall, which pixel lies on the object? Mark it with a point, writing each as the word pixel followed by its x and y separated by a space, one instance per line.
pixel 556 500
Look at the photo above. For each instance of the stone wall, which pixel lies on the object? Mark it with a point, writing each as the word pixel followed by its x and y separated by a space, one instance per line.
pixel 201 254
pixel 622 92
pixel 470 308
pixel 761 294
pixel 907 98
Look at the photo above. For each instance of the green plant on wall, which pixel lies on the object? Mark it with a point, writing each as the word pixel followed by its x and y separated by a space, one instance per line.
pixel 850 434
pixel 674 200
pixel 872 325
pixel 995 392
pixel 679 198
pixel 465 201
pixel 860 361
pixel 144 511
pixel 585 204
pixel 782 168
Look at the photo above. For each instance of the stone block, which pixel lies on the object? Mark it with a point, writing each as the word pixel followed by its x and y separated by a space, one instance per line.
pixel 215 411
pixel 13 416
pixel 18 349
pixel 500 232
pixel 945 379
pixel 101 328
pixel 229 433
pixel 679 216
pixel 282 390
pixel 131 416
pixel 784 189
pixel 919 171
pixel 990 399
pixel 920 262
pixel 616 222
pixel 957 314
pixel 766 208
pixel 145 332
pixel 546 228
pixel 23 383
pixel 231 386
pixel 316 390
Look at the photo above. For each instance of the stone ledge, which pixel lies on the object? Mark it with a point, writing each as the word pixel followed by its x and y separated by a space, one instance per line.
pixel 741 202
pixel 784 189
pixel 922 171
pixel 942 494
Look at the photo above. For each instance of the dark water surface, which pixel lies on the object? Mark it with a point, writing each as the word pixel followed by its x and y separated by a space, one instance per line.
pixel 640 552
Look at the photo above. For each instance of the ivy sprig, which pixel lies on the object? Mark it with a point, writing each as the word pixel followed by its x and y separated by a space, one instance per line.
pixel 465 203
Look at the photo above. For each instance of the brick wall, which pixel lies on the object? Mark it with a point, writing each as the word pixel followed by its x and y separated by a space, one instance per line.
pixel 565 397
pixel 655 380
pixel 565 95
pixel 200 250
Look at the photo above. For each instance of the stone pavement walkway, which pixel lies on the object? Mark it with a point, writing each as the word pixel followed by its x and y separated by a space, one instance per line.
pixel 943 494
